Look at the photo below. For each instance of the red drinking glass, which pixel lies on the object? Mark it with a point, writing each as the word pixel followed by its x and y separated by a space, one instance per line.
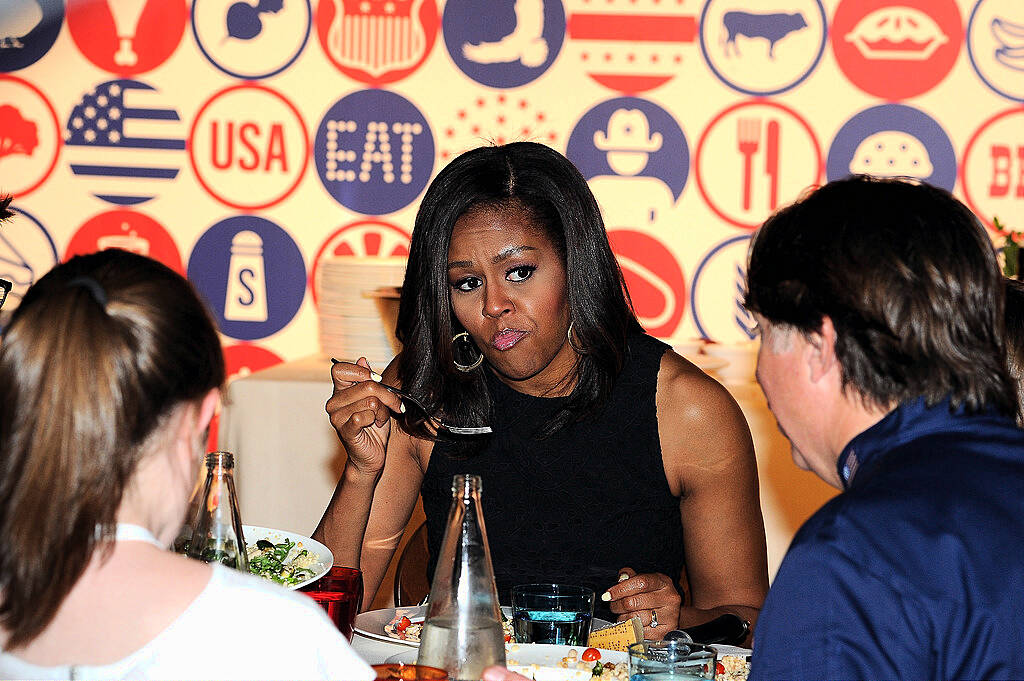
pixel 339 592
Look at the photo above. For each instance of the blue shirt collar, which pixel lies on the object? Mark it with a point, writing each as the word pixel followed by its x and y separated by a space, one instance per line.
pixel 906 422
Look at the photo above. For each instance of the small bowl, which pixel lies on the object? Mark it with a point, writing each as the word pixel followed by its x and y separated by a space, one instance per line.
pixel 742 358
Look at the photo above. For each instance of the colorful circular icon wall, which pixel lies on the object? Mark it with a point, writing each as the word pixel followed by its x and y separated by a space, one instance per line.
pixel 245 142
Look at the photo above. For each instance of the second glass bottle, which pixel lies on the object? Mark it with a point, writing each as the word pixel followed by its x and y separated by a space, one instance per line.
pixel 462 633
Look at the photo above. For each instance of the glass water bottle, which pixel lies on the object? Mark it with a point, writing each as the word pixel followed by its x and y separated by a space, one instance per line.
pixel 184 538
pixel 462 633
pixel 217 534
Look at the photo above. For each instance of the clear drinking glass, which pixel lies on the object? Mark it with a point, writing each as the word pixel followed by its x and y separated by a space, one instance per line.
pixel 217 535
pixel 671 661
pixel 462 633
pixel 552 613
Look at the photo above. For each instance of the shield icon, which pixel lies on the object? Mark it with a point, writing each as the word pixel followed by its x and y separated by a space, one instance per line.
pixel 377 36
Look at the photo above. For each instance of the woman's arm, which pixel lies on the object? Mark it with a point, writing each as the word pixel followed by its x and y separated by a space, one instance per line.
pixel 375 497
pixel 709 464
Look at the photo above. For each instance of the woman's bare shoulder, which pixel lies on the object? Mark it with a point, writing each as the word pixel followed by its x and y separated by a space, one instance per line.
pixel 694 410
pixel 683 384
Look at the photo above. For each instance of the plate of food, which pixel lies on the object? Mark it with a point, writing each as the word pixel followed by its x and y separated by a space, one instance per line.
pixel 543 662
pixel 287 558
pixel 403 625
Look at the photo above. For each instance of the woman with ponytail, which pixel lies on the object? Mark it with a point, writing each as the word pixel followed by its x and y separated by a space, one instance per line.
pixel 110 371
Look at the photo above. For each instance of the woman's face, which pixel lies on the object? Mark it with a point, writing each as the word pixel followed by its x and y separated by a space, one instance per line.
pixel 508 291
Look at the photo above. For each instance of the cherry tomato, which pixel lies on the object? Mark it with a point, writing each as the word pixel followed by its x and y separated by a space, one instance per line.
pixel 590 654
pixel 507 638
pixel 719 668
pixel 403 624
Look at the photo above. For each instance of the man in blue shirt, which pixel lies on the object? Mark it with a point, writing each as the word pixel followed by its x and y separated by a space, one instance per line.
pixel 882 357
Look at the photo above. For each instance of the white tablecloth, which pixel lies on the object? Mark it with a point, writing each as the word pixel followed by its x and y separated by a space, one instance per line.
pixel 289 459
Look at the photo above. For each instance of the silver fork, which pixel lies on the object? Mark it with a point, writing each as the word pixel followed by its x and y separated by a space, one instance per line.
pixel 411 401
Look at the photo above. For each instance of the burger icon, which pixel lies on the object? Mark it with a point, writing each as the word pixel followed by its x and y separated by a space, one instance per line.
pixel 892 153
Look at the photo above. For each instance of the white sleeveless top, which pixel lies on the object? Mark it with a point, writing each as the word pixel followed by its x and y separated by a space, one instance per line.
pixel 238 627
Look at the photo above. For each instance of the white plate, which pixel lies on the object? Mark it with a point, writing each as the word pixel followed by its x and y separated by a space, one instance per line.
pixel 325 559
pixel 521 657
pixel 371 623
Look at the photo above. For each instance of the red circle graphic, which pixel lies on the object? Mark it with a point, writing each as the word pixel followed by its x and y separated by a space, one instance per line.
pixel 375 45
pixel 127 38
pixel 129 230
pixel 5 132
pixel 274 200
pixel 896 50
pixel 654 279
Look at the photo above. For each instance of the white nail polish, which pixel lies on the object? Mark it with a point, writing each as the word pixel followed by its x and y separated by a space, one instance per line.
pixel 623 577
pixel 606 597
pixel 402 408
pixel 375 376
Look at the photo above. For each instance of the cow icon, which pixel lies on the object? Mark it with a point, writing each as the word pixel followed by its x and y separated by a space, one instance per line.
pixel 772 27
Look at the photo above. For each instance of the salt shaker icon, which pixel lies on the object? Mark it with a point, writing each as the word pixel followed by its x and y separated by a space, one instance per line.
pixel 246 296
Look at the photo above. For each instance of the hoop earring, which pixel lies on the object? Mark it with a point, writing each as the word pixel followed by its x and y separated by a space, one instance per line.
pixel 579 350
pixel 461 344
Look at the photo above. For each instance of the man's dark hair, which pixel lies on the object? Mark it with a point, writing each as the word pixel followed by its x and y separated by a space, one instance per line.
pixel 551 192
pixel 1014 319
pixel 909 278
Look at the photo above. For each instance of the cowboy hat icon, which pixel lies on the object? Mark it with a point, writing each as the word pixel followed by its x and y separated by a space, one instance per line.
pixel 628 130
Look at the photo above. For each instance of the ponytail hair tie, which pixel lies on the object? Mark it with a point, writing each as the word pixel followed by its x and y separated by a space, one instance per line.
pixel 93 286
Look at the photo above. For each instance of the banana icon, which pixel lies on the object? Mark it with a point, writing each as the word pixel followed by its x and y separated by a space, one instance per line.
pixel 1007 33
pixel 1010 36
pixel 1013 59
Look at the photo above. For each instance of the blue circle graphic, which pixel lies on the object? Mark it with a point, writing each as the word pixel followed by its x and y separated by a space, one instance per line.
pixel 30 28
pixel 28 255
pixel 973 59
pixel 769 30
pixel 510 44
pixel 741 323
pixel 893 140
pixel 247 35
pixel 251 274
pixel 631 126
pixel 374 152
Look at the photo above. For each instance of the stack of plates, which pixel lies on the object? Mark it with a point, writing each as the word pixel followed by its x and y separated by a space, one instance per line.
pixel 350 317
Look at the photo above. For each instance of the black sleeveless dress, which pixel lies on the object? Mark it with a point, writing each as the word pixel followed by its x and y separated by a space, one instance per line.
pixel 575 507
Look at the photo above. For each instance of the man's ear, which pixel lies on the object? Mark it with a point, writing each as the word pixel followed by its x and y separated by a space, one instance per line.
pixel 821 350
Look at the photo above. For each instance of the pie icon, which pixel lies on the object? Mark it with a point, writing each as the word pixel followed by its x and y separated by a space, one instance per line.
pixel 897 32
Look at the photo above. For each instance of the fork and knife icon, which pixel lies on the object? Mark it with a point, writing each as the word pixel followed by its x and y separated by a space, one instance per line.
pixel 748 142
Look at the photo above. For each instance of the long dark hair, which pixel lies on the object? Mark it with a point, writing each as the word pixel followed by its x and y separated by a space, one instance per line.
pixel 909 278
pixel 99 352
pixel 537 179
